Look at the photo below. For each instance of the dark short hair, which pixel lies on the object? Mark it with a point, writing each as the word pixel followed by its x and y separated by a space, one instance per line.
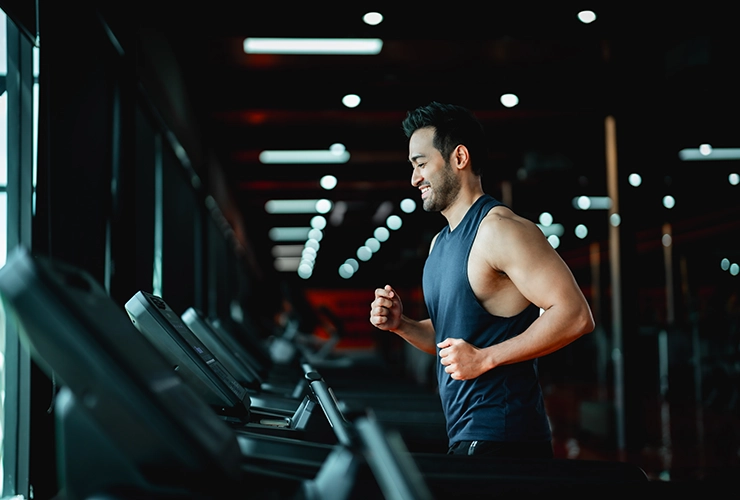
pixel 453 125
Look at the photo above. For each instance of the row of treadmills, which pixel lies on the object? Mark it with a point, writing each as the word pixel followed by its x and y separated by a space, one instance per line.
pixel 156 404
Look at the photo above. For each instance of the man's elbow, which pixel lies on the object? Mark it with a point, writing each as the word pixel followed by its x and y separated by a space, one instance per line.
pixel 585 323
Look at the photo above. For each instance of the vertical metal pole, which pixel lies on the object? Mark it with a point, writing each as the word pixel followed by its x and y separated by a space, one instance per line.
pixel 616 283
pixel 663 354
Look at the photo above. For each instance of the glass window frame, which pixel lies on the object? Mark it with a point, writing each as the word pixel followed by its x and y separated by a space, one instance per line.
pixel 20 83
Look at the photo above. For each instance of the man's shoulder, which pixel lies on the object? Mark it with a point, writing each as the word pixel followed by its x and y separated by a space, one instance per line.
pixel 502 221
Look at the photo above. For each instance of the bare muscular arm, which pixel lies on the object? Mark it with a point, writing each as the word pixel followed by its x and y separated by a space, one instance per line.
pixel 518 248
pixel 386 313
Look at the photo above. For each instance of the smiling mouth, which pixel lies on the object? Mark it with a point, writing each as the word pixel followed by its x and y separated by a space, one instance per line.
pixel 425 191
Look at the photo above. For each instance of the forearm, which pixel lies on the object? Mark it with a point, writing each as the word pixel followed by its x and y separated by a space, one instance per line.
pixel 553 330
pixel 419 334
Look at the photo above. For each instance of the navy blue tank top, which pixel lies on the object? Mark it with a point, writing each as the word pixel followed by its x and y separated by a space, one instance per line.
pixel 504 404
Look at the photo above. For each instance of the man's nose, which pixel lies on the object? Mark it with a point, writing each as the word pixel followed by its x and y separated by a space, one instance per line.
pixel 415 177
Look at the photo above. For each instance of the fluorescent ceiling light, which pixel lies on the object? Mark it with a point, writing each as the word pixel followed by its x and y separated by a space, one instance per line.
pixel 708 153
pixel 307 156
pixel 284 264
pixel 287 250
pixel 592 202
pixel 289 233
pixel 356 46
pixel 297 206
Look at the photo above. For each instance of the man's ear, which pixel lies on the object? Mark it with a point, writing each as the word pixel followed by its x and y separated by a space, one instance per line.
pixel 460 156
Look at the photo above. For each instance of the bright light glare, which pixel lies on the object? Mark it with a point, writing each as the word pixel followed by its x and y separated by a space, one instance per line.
pixel 381 234
pixel 669 201
pixel 408 205
pixel 734 179
pixel 581 231
pixel 592 202
pixel 305 271
pixel 323 206
pixel 725 264
pixel 373 18
pixel 734 269
pixel 360 46
pixel 291 206
pixel 318 222
pixel 709 153
pixel 509 100
pixel 287 250
pixel 313 244
pixel 554 240
pixel 373 244
pixel 353 264
pixel 364 253
pixel 306 156
pixel 346 271
pixel 393 222
pixel 546 218
pixel 666 240
pixel 615 220
pixel 289 233
pixel 635 180
pixel 351 100
pixel 587 16
pixel 328 182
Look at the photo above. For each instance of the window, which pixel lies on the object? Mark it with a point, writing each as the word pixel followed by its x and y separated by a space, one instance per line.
pixel 18 138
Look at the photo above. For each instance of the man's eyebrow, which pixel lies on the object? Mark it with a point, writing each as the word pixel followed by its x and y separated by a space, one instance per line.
pixel 415 157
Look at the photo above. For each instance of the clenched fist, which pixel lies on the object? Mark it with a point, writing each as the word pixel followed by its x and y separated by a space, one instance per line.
pixel 386 309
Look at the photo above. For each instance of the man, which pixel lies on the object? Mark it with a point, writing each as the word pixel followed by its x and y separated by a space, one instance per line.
pixel 498 295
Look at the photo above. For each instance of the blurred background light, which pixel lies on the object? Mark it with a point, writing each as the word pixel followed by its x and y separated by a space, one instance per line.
pixel 587 16
pixel 328 182
pixel 316 46
pixel 373 18
pixel 351 100
pixel 509 100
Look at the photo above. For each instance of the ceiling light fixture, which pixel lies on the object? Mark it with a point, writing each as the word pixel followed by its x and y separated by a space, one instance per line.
pixel 289 233
pixel 592 202
pixel 313 46
pixel 336 154
pixel 351 100
pixel 509 100
pixel 298 206
pixel 587 16
pixel 706 152
pixel 373 18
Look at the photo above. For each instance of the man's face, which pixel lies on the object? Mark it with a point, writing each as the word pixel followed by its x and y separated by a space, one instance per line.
pixel 432 173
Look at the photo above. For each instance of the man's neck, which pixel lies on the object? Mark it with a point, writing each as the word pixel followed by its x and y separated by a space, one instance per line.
pixel 457 210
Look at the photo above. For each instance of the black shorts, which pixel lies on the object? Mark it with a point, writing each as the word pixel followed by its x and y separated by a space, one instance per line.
pixel 502 449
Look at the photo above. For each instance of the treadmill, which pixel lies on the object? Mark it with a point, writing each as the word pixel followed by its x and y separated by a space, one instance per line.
pixel 128 425
pixel 245 410
pixel 137 425
pixel 238 360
